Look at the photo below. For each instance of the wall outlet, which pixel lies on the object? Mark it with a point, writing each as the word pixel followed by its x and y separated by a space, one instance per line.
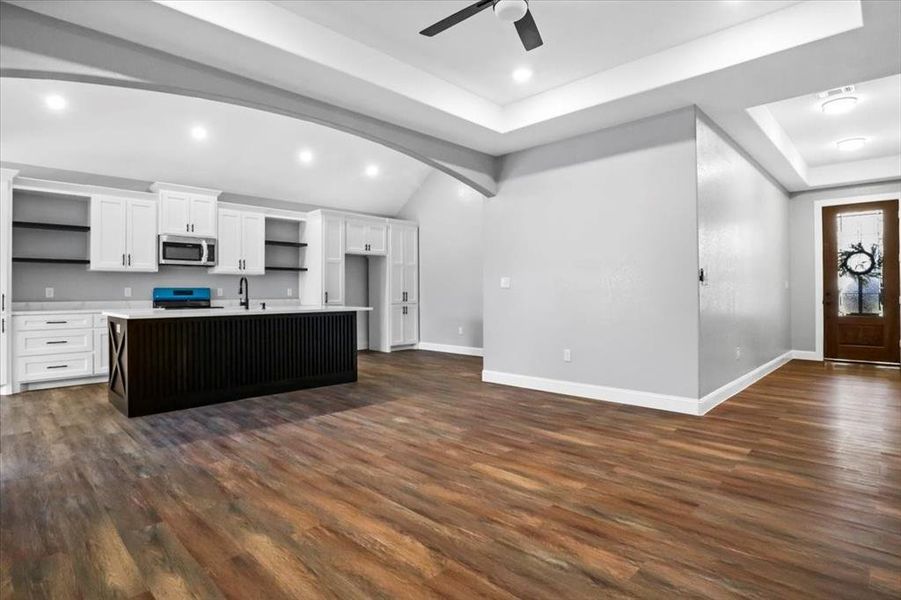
pixel 737 352
pixel 567 355
pixel 219 292
pixel 290 292
pixel 505 282
pixel 48 292
pixel 459 331
pixel 127 292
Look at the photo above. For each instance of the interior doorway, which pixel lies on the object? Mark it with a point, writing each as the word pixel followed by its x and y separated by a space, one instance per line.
pixel 861 282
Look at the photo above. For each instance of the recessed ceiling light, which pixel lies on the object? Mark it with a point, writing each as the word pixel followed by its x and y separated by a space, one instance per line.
pixel 55 102
pixel 851 144
pixel 305 156
pixel 838 106
pixel 372 170
pixel 522 75
pixel 199 133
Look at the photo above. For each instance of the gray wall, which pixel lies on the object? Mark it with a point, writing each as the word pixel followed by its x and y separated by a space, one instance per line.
pixel 598 234
pixel 356 293
pixel 450 219
pixel 744 250
pixel 804 255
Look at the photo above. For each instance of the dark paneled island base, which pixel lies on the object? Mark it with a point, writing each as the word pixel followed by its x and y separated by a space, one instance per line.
pixel 164 364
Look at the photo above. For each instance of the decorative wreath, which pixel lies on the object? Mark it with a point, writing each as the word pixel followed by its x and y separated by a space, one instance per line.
pixel 859 262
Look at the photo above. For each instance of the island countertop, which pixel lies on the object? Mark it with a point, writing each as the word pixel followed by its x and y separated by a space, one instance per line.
pixel 230 311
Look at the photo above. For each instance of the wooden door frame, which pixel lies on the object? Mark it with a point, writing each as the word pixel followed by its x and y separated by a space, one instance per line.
pixel 818 206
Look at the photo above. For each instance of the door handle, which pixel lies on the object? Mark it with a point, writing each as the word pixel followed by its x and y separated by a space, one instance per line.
pixel 326 297
pixel 55 322
pixel 2 325
pixel 3 303
pixel 123 260
pixel 188 227
pixel 58 342
pixel 192 227
pixel 57 366
pixel 129 260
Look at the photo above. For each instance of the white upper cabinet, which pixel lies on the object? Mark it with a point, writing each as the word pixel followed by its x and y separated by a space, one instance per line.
pixel 187 211
pixel 108 233
pixel 404 263
pixel 333 260
pixel 123 234
pixel 241 242
pixel 366 237
pixel 253 229
pixel 141 242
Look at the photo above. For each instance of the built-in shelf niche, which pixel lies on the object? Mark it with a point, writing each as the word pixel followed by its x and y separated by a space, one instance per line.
pixel 285 245
pixel 50 228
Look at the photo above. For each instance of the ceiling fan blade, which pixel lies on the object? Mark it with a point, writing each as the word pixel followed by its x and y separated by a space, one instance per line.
pixel 528 31
pixel 461 15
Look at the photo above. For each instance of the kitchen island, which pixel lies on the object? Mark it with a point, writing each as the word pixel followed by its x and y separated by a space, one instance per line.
pixel 162 360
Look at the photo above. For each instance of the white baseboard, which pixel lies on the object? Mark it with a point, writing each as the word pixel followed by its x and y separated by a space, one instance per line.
pixel 806 355
pixel 46 385
pixel 725 392
pixel 450 349
pixel 679 404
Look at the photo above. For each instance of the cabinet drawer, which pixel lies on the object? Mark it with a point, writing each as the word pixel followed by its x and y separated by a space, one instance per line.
pixel 58 366
pixel 58 341
pixel 57 321
pixel 100 321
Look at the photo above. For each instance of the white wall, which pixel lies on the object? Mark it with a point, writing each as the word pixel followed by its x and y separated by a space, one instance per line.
pixel 598 235
pixel 450 219
pixel 804 255
pixel 743 248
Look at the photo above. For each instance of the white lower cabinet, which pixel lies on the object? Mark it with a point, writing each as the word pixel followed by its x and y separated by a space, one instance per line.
pixel 404 324
pixel 101 351
pixel 59 346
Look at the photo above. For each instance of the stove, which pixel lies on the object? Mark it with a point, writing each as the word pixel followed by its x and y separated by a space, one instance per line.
pixel 175 298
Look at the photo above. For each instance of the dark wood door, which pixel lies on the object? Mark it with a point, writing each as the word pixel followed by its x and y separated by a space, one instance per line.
pixel 860 281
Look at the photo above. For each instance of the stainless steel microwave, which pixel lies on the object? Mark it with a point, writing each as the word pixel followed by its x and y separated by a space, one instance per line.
pixel 183 250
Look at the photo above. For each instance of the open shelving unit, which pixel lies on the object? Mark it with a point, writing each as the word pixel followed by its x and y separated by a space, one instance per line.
pixel 48 229
pixel 288 253
pixel 55 261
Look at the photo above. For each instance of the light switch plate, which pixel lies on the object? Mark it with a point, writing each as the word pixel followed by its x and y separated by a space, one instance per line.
pixel 290 292
pixel 567 355
pixel 219 292
pixel 128 292
pixel 505 282
pixel 48 292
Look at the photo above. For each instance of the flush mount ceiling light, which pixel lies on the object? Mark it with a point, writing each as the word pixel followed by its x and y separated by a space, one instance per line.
pixel 838 106
pixel 851 144
pixel 372 171
pixel 55 102
pixel 305 156
pixel 199 133
pixel 522 75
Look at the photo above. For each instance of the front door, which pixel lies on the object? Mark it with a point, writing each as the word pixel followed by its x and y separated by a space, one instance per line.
pixel 860 282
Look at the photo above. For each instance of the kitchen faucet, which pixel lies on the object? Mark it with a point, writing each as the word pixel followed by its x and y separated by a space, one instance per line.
pixel 244 288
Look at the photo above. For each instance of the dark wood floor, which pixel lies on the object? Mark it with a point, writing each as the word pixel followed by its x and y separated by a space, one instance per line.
pixel 420 481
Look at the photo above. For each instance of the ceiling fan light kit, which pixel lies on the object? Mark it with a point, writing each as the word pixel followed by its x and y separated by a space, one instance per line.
pixel 510 11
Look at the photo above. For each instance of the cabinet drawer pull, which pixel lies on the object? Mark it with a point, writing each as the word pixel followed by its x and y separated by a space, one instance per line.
pixel 56 322
pixel 58 342
pixel 57 366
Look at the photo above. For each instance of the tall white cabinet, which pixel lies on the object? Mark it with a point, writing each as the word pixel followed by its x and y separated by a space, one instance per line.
pixel 123 234
pixel 403 282
pixel 241 243
pixel 186 210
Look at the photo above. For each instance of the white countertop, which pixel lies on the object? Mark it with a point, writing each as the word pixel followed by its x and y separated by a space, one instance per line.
pixel 162 313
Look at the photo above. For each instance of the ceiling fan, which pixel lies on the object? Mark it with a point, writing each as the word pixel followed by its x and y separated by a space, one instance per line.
pixel 510 11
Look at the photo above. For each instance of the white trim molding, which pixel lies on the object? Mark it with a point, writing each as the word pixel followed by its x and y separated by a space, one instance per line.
pixel 450 349
pixel 819 321
pixel 806 355
pixel 725 392
pixel 678 404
